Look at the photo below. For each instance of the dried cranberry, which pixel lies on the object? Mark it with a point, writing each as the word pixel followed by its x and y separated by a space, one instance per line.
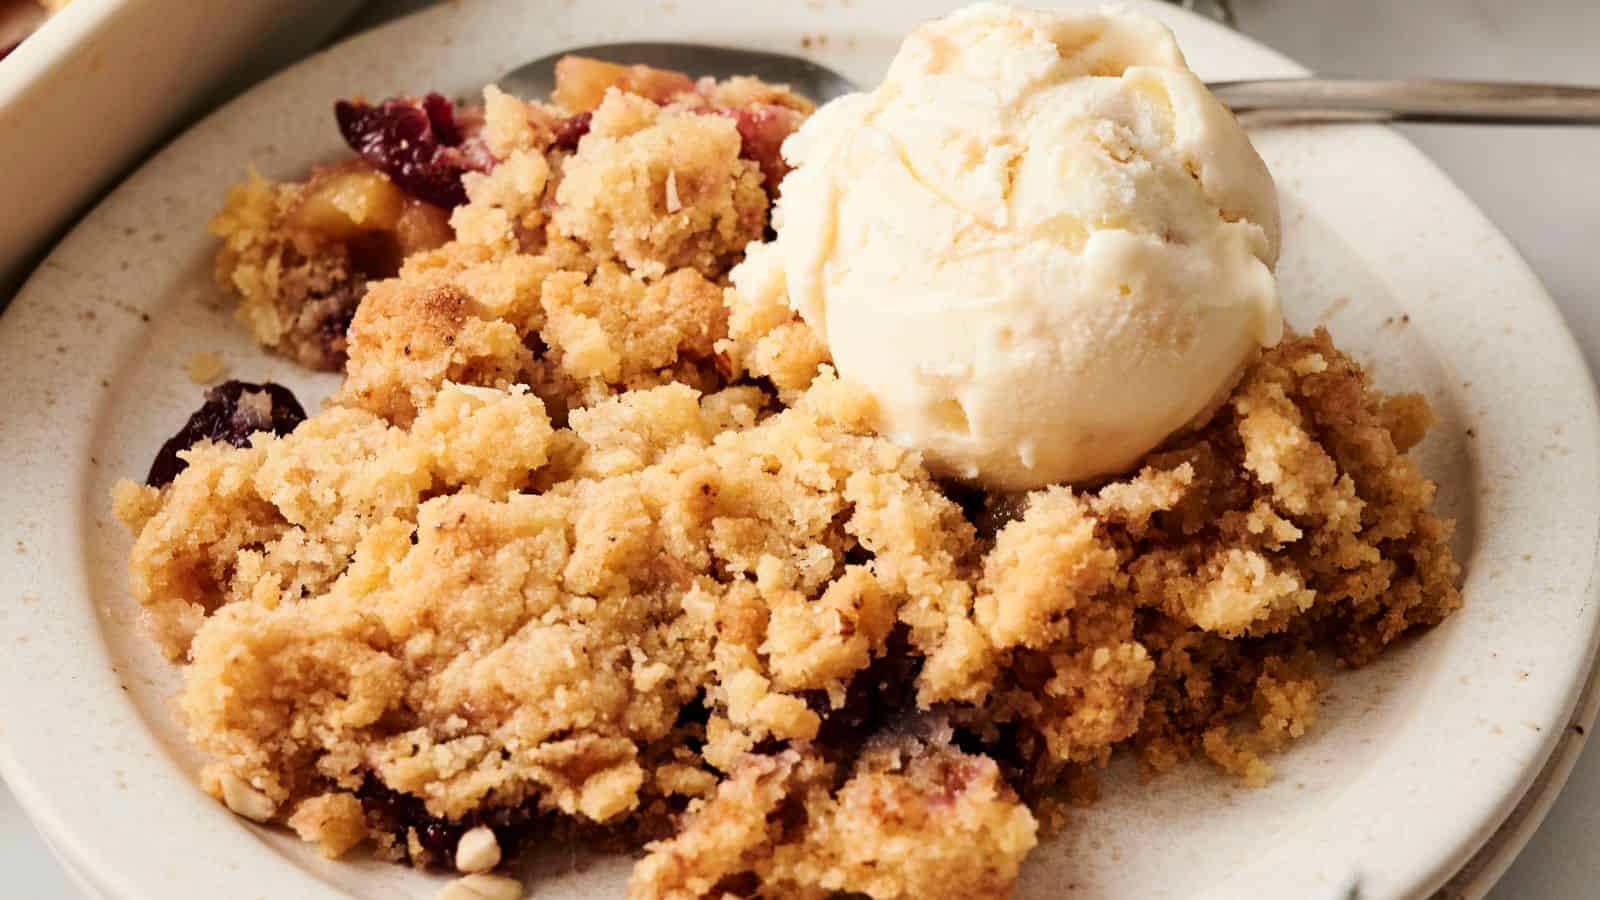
pixel 398 813
pixel 570 130
pixel 418 143
pixel 762 129
pixel 440 838
pixel 233 411
pixel 442 116
pixel 5 49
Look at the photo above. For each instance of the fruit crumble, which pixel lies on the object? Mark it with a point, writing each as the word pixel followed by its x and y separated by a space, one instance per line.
pixel 593 542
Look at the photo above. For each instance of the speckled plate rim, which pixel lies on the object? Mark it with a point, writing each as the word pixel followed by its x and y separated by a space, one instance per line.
pixel 63 719
pixel 1480 874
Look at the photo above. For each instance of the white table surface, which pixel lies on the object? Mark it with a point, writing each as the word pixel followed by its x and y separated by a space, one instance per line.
pixel 1542 186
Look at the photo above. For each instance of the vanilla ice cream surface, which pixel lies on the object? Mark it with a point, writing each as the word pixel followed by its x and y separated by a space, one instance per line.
pixel 1041 243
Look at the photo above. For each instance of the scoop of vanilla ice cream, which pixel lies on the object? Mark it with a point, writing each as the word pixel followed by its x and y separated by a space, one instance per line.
pixel 1041 243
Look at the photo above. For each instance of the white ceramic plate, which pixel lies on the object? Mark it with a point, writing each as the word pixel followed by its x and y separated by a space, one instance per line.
pixel 1415 762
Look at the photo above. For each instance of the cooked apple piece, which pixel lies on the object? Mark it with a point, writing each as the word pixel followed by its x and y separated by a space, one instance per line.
pixel 582 82
pixel 340 202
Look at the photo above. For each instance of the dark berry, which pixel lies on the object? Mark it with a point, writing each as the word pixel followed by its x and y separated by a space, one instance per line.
pixel 232 412
pixel 442 117
pixel 399 813
pixel 332 314
pixel 762 130
pixel 571 130
pixel 417 143
pixel 440 838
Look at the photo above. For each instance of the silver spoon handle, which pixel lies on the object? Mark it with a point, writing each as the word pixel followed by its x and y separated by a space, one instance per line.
pixel 1325 99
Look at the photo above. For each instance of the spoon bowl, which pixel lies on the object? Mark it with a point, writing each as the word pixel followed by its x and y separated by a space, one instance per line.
pixel 804 77
pixel 1269 100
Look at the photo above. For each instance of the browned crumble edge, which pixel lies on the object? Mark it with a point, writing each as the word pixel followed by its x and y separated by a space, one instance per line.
pixel 589 544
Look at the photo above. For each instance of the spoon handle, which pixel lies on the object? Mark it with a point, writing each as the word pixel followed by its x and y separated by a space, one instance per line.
pixel 1330 99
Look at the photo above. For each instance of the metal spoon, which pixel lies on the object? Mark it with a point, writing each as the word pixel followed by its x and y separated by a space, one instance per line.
pixel 1280 100
pixel 820 83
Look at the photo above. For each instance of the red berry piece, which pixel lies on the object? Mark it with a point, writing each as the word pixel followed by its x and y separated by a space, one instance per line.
pixel 417 143
pixel 233 411
pixel 570 130
pixel 763 129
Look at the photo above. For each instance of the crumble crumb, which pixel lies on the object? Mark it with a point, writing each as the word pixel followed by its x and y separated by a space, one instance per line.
pixel 205 367
pixel 335 822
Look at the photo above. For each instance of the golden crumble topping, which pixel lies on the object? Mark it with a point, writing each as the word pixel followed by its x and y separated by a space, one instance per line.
pixel 661 190
pixel 589 536
pixel 914 818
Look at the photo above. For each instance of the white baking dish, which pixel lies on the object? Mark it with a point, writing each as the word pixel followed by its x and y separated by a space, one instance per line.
pixel 94 88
